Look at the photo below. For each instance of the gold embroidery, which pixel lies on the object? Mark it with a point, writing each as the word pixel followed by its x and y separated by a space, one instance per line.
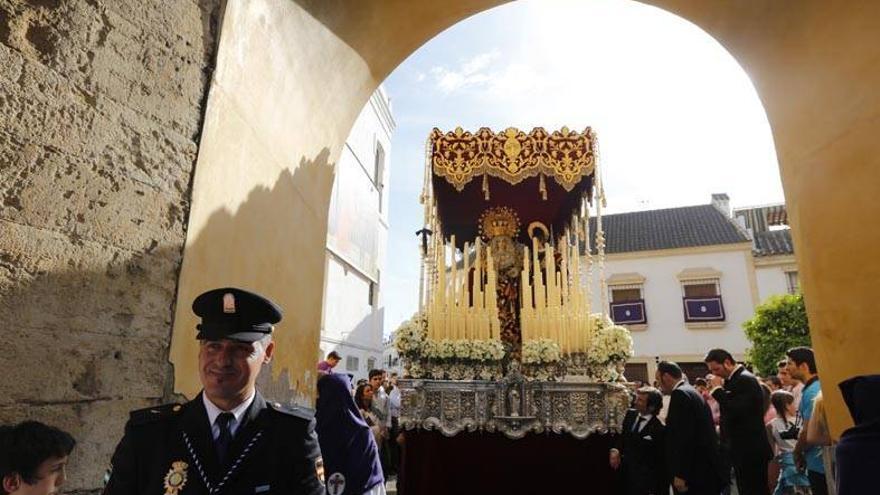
pixel 566 156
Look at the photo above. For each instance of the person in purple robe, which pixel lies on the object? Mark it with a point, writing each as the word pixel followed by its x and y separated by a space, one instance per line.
pixel 351 458
pixel 858 452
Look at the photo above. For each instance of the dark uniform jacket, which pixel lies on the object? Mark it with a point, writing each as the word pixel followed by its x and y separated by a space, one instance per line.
pixel 643 467
pixel 691 443
pixel 742 417
pixel 170 449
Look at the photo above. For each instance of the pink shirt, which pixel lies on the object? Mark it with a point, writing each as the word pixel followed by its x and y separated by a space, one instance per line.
pixel 714 407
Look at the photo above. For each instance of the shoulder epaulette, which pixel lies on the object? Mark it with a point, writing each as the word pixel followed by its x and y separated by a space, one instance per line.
pixel 295 411
pixel 153 414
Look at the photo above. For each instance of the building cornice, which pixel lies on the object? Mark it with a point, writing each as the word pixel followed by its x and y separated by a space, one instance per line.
pixel 782 259
pixel 630 278
pixel 699 273
pixel 662 253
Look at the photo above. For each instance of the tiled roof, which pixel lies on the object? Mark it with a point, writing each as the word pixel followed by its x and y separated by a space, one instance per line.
pixel 689 226
pixel 773 242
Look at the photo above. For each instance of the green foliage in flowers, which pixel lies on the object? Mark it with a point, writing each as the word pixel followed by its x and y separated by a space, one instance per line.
pixel 779 324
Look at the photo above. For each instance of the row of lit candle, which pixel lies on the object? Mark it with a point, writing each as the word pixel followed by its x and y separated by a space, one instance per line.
pixel 456 308
pixel 555 304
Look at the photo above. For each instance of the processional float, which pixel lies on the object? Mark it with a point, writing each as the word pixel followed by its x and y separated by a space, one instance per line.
pixel 506 338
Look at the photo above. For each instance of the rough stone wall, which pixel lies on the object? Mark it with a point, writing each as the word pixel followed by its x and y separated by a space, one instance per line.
pixel 101 103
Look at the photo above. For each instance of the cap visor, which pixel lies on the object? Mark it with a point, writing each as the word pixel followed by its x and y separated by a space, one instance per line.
pixel 240 336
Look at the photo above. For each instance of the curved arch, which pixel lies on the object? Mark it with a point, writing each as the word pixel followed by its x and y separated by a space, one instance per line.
pixel 291 77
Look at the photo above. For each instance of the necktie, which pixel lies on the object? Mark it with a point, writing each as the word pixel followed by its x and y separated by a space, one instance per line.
pixel 225 438
pixel 637 424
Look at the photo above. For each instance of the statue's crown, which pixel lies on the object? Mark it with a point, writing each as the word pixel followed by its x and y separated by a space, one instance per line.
pixel 499 221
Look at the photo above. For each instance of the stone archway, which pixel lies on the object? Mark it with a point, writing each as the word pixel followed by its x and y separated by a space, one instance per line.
pixel 105 127
pixel 320 61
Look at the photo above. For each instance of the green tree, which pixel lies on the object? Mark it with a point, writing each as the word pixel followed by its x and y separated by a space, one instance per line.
pixel 779 324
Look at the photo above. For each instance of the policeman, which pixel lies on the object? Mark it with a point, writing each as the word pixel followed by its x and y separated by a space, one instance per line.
pixel 228 439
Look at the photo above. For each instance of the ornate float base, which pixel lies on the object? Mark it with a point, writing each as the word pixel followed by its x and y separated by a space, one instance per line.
pixel 513 406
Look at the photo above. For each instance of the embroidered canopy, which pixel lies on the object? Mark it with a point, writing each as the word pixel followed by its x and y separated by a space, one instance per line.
pixel 564 155
pixel 543 177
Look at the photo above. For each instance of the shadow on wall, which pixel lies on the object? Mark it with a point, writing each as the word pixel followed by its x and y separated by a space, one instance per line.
pixel 88 344
pixel 83 346
pixel 274 244
pixel 95 168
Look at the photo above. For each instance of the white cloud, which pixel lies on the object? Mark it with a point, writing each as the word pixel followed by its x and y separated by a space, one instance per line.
pixel 473 72
pixel 479 62
pixel 515 80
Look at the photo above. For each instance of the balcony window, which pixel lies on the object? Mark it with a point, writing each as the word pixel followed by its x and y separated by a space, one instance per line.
pixel 702 301
pixel 352 363
pixel 628 305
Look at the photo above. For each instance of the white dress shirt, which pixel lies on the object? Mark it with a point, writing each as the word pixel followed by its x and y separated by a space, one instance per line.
pixel 237 413
pixel 380 402
pixel 644 419
pixel 394 403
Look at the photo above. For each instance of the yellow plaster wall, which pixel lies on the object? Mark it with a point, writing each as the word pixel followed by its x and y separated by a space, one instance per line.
pixel 292 76
pixel 290 79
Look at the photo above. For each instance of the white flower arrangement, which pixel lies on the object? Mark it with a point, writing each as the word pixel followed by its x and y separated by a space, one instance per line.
pixel 540 351
pixel 610 344
pixel 465 350
pixel 415 370
pixel 610 347
pixel 602 374
pixel 599 322
pixel 410 336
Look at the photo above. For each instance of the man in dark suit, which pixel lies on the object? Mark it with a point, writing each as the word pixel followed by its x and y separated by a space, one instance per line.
pixel 741 400
pixel 228 439
pixel 692 457
pixel 638 451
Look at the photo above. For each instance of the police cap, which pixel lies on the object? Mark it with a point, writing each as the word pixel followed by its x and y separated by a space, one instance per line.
pixel 235 314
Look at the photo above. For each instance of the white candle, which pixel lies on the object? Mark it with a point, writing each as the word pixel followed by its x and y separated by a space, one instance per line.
pixel 491 296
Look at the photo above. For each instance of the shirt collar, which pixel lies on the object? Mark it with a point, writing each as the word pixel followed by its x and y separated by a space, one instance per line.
pixel 679 384
pixel 238 412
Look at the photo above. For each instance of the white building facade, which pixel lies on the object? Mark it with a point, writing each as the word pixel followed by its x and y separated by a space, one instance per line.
pixel 357 235
pixel 390 358
pixel 684 280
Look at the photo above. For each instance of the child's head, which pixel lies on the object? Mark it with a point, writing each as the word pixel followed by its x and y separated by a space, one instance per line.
pixel 783 402
pixel 33 457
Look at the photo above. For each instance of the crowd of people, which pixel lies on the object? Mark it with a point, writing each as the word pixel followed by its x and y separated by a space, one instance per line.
pixel 769 432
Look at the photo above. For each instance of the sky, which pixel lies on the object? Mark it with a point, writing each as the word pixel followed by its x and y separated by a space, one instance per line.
pixel 676 116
